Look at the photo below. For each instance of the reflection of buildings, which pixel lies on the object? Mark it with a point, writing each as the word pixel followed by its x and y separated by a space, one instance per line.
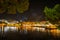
pixel 27 26
pixel 10 29
pixel 14 26
pixel 5 25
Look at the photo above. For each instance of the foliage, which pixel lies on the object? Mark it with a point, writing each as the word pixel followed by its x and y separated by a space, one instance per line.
pixel 11 6
pixel 52 13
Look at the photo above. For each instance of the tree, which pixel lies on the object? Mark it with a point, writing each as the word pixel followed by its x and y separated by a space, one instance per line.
pixel 13 6
pixel 53 13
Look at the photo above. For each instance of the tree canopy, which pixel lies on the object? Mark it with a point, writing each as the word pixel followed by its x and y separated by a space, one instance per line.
pixel 13 6
pixel 53 13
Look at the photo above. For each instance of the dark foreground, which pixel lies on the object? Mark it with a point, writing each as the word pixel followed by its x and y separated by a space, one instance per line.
pixel 27 36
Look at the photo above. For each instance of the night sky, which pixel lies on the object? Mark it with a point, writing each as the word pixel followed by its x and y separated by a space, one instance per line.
pixel 34 13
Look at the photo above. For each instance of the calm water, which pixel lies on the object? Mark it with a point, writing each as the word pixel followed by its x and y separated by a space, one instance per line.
pixel 27 36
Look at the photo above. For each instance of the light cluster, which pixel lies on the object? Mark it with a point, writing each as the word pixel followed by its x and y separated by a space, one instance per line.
pixel 15 26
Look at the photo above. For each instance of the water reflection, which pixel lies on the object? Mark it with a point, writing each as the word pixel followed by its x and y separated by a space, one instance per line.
pixel 6 29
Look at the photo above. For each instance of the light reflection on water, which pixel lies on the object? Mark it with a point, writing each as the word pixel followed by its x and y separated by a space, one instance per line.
pixel 9 29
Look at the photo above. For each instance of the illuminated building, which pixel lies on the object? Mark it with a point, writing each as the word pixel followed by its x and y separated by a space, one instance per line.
pixel 28 26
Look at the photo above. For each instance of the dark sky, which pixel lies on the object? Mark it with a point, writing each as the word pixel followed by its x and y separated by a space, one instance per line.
pixel 35 9
pixel 36 4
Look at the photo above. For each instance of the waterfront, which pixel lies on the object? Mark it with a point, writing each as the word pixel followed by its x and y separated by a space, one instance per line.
pixel 29 31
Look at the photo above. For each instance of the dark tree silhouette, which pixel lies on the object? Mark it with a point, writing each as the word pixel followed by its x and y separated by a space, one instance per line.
pixel 11 6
